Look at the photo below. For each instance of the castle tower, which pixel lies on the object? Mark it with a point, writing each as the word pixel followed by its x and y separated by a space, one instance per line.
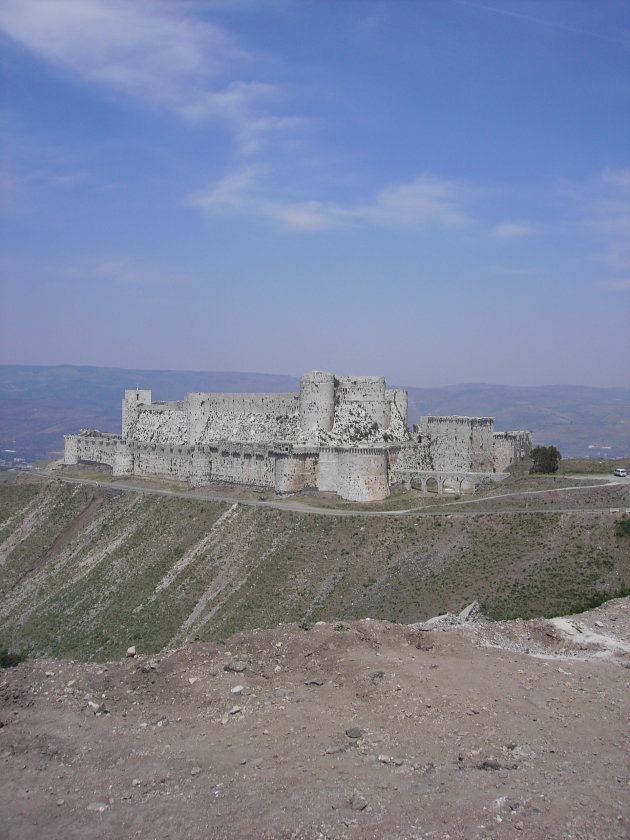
pixel 131 405
pixel 317 402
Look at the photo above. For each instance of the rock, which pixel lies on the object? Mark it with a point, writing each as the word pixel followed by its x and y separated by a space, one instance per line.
pixel 471 613
pixel 195 771
pixel 98 807
pixel 598 624
pixel 354 732
pixel 358 803
pixel 131 651
pixel 238 689
pixel 489 765
pixel 314 681
pixel 237 666
pixel 234 710
pixel 338 748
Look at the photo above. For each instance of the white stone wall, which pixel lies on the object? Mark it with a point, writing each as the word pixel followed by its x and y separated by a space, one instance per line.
pixel 459 444
pixel 369 391
pixel 161 459
pixel 160 423
pixel 240 464
pixel 511 448
pixel 482 446
pixel 294 472
pixel 398 399
pixel 131 405
pixel 96 447
pixel 71 449
pixel 251 418
pixel 356 474
pixel 317 404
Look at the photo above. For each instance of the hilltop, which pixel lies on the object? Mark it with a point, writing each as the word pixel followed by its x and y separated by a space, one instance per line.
pixel 358 730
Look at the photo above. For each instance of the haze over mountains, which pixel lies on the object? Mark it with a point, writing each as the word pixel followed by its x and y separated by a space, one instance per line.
pixel 39 404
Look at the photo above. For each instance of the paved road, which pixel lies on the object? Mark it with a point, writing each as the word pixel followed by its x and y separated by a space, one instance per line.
pixel 442 509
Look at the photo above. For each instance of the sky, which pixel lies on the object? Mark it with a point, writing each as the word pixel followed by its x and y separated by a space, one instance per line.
pixel 436 191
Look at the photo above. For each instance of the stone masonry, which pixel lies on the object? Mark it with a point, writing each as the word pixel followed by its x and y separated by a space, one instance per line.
pixel 346 435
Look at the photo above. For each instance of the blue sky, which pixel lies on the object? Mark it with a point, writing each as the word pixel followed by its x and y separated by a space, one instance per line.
pixel 437 191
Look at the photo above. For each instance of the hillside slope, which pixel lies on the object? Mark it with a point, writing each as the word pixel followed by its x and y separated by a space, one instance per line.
pixel 87 570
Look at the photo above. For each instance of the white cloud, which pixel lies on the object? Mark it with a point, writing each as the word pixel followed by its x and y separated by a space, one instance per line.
pixel 426 203
pixel 512 230
pixel 164 54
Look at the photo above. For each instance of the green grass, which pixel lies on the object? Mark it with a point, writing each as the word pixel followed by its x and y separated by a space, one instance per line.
pixel 588 466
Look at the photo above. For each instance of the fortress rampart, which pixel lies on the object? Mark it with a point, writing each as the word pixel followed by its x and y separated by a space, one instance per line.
pixel 346 435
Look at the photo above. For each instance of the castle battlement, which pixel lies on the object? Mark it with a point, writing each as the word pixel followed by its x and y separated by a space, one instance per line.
pixel 341 434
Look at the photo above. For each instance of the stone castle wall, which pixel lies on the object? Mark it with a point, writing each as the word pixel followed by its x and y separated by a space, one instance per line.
pixel 369 392
pixel 511 448
pixel 360 473
pixel 254 417
pixel 459 444
pixel 317 403
pixel 345 435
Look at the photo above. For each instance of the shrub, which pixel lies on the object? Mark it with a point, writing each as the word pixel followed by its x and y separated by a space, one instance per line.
pixel 9 660
pixel 546 459
pixel 622 527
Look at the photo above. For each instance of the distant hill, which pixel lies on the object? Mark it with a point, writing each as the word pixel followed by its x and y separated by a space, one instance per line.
pixel 39 404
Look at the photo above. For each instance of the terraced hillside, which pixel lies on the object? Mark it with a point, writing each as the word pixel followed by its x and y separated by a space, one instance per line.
pixel 87 570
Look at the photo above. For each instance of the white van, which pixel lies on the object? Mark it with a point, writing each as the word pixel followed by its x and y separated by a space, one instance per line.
pixel 621 472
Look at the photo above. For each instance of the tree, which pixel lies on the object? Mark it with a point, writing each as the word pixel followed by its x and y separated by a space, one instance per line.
pixel 546 459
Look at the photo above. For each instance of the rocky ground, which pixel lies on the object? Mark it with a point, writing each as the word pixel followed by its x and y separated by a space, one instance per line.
pixel 451 729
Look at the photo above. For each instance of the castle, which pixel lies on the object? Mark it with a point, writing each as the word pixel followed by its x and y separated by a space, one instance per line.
pixel 347 435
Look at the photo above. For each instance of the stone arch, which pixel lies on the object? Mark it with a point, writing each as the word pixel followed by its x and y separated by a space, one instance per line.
pixel 467 486
pixel 418 483
pixel 432 485
pixel 450 484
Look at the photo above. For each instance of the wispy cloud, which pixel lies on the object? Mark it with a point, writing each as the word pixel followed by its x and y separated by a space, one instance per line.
pixel 619 285
pixel 162 54
pixel 601 208
pixel 425 203
pixel 512 230
pixel 119 270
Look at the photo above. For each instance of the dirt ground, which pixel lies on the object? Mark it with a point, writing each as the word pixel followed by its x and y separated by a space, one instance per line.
pixel 367 730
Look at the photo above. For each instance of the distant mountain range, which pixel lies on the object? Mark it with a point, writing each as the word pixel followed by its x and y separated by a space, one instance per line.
pixel 39 404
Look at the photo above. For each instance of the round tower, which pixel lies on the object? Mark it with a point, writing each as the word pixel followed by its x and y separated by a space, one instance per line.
pixel 317 402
